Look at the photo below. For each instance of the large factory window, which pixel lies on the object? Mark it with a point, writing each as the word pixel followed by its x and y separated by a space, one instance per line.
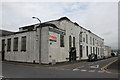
pixel 9 45
pixel 23 43
pixel 15 47
pixel 61 40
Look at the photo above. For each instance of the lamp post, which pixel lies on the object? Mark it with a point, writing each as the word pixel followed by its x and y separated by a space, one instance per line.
pixel 39 38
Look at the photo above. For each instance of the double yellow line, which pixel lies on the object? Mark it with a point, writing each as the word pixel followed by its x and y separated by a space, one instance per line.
pixel 103 68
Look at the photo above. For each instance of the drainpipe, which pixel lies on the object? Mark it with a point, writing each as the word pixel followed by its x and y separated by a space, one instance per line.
pixel 40 38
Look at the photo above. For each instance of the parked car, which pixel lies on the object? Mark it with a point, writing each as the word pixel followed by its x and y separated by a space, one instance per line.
pixel 92 57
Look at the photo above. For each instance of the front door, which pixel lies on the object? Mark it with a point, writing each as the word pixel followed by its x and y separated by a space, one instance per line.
pixel 3 49
pixel 80 51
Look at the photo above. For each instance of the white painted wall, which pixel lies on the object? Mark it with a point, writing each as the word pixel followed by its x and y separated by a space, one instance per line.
pixel 31 52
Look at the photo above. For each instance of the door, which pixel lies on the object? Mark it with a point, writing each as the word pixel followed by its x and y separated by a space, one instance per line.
pixel 80 51
pixel 3 49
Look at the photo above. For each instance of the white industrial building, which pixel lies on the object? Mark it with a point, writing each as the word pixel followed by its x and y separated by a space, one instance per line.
pixel 50 43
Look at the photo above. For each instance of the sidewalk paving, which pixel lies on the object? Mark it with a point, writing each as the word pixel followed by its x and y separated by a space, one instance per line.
pixel 37 65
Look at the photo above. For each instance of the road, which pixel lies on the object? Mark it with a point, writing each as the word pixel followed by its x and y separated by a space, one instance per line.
pixel 81 69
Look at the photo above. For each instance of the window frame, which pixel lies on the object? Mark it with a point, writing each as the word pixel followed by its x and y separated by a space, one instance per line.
pixel 23 49
pixel 9 44
pixel 62 44
pixel 15 44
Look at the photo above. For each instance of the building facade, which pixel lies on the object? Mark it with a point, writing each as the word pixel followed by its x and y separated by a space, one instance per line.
pixel 51 42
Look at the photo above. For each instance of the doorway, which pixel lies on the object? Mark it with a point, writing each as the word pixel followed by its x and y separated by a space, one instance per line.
pixel 72 54
pixel 3 49
pixel 80 51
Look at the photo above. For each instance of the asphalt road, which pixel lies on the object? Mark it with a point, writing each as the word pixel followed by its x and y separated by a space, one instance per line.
pixel 75 70
pixel 115 67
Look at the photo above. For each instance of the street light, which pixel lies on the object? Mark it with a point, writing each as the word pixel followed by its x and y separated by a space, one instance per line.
pixel 39 38
pixel 37 19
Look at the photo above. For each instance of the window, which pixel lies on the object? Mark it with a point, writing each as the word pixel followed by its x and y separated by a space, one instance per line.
pixel 87 50
pixel 93 41
pixel 9 45
pixel 83 39
pixel 61 40
pixel 91 49
pixel 73 41
pixel 80 37
pixel 90 40
pixel 23 43
pixel 70 40
pixel 15 47
pixel 98 51
pixel 86 38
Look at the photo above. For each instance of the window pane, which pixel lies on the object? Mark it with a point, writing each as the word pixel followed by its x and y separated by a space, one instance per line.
pixel 23 45
pixel 86 38
pixel 73 41
pixel 70 40
pixel 9 45
pixel 16 44
pixel 61 40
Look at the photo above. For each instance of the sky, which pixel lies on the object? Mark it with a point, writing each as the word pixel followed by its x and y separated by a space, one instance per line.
pixel 99 17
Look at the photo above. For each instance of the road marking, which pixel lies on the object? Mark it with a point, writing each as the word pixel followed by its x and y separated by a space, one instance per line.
pixel 80 67
pixel 103 68
pixel 83 70
pixel 95 66
pixel 101 71
pixel 91 71
pixel 75 69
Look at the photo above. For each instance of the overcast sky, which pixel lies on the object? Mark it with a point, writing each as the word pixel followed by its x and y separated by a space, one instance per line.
pixel 99 17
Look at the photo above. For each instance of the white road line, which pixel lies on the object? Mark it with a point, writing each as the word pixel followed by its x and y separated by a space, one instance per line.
pixel 75 69
pixel 101 71
pixel 94 66
pixel 91 71
pixel 83 70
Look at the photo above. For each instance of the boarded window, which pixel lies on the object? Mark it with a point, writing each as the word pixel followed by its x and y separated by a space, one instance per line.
pixel 23 43
pixel 73 41
pixel 61 40
pixel 15 47
pixel 9 44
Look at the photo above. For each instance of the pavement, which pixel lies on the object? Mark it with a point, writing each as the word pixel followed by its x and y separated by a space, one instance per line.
pixel 81 69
